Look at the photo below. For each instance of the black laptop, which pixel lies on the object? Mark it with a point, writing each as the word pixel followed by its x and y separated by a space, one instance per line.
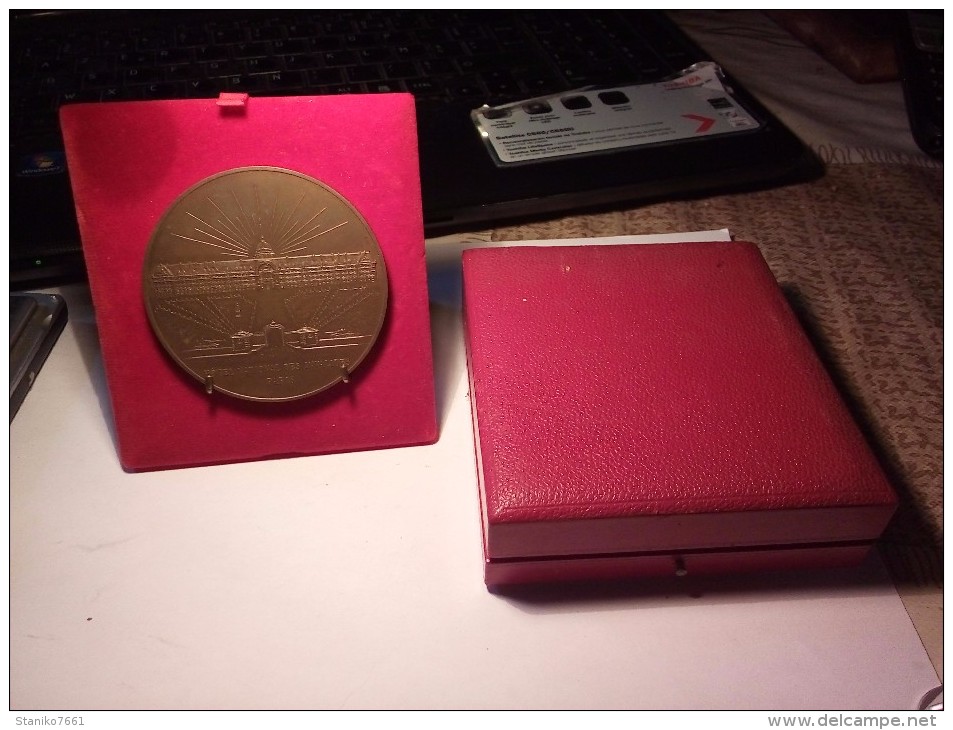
pixel 521 68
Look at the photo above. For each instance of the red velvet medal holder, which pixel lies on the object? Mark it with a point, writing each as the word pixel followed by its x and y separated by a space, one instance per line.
pixel 656 409
pixel 129 161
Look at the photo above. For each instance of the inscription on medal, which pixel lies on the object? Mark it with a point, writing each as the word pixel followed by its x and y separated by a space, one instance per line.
pixel 265 284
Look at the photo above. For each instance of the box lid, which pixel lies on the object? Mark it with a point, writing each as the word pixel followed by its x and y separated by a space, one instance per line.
pixel 655 398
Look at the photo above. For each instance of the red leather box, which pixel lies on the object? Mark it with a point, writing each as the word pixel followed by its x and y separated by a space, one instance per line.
pixel 652 410
pixel 129 161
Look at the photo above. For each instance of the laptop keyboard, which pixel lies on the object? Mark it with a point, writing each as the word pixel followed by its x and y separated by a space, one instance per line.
pixel 447 56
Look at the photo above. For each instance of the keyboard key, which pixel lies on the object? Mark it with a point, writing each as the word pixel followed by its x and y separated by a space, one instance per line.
pixel 223 35
pixel 211 53
pixel 344 89
pixel 136 60
pixel 140 75
pixel 286 80
pixel 262 65
pixel 78 97
pixel 202 88
pixel 241 82
pixel 325 76
pixel 94 64
pixel 466 88
pixel 438 67
pixel 385 87
pixel 181 71
pixel 220 69
pixel 410 52
pixel 501 83
pixel 166 90
pixel 400 69
pixel 191 36
pixel 375 55
pixel 251 50
pixel 424 87
pixel 115 93
pixel 99 79
pixel 364 73
pixel 154 39
pixel 326 43
pixel 340 58
pixel 169 56
pixel 300 61
pixel 290 46
pixel 264 33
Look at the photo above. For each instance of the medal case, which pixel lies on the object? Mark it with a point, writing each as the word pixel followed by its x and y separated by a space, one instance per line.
pixel 130 161
pixel 656 410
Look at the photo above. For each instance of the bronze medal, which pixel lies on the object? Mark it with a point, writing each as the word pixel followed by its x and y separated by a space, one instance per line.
pixel 265 284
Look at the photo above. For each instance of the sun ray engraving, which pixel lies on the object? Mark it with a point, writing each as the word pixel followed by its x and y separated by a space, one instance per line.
pixel 242 219
pixel 225 220
pixel 198 312
pixel 293 231
pixel 257 214
pixel 220 235
pixel 281 244
pixel 321 233
pixel 307 306
pixel 207 243
pixel 345 306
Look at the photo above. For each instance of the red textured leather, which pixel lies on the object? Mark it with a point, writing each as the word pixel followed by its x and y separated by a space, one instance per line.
pixel 655 398
pixel 128 162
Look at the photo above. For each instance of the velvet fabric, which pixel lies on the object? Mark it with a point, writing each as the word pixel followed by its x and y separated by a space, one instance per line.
pixel 129 161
